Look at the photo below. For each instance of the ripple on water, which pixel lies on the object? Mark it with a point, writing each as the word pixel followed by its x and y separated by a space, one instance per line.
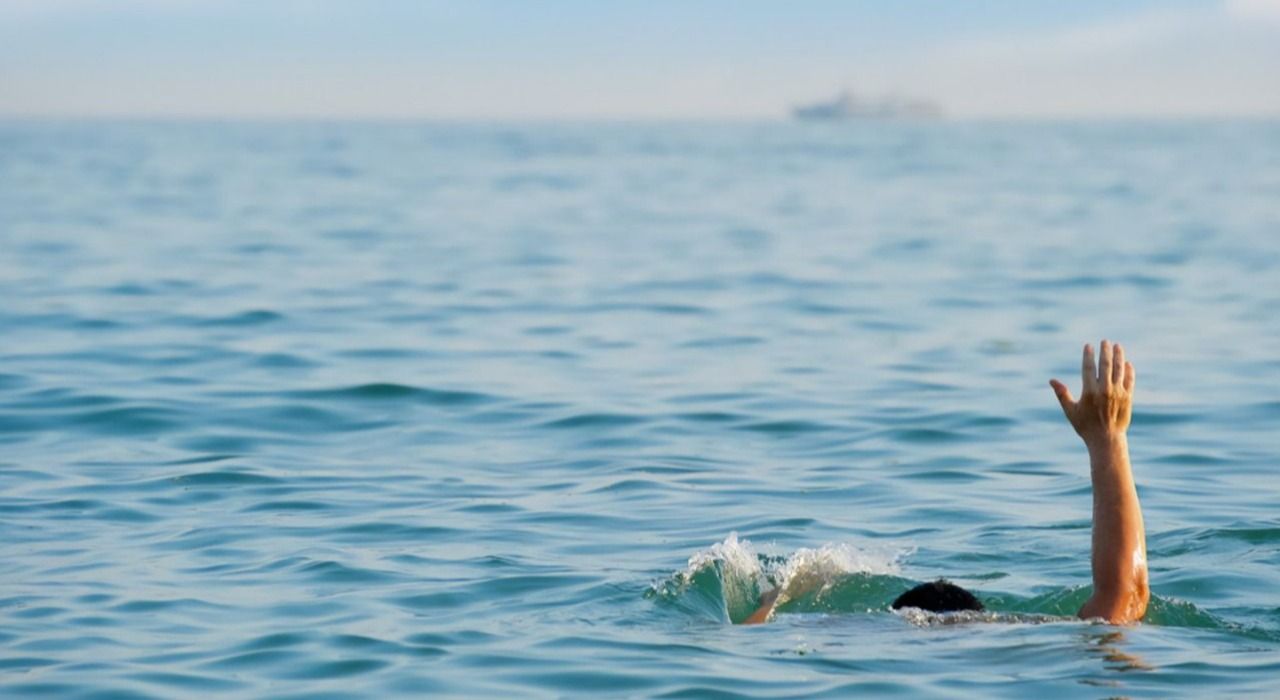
pixel 283 360
pixel 290 506
pixel 220 477
pixel 54 690
pixel 253 317
pixel 255 660
pixel 785 428
pixel 188 682
pixel 132 420
pixel 397 392
pixel 923 435
pixel 389 531
pixel 9 382
pixel 335 572
pixel 1261 533
pixel 24 664
pixel 595 420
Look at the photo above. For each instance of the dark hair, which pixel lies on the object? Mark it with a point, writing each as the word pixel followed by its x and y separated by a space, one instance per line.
pixel 938 596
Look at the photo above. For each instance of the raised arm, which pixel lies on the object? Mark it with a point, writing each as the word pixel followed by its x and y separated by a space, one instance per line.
pixel 1101 418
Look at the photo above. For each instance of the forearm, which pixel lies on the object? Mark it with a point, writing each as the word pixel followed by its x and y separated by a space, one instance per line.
pixel 1101 417
pixel 767 602
pixel 1119 556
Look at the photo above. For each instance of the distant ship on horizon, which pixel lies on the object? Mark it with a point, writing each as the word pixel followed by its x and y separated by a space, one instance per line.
pixel 846 106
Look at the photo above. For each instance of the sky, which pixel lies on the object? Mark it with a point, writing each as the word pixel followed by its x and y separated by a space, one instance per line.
pixel 624 59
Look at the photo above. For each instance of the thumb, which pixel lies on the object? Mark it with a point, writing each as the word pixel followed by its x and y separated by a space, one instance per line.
pixel 1063 394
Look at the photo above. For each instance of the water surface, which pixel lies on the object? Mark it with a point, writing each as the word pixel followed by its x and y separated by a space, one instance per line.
pixel 375 410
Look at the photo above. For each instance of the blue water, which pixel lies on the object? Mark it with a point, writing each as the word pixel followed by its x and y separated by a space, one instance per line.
pixel 374 410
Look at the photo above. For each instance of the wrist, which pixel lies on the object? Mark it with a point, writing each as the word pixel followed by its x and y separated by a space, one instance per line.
pixel 1108 445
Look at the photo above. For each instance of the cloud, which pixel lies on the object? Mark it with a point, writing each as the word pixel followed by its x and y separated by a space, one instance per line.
pixel 1266 10
pixel 1195 62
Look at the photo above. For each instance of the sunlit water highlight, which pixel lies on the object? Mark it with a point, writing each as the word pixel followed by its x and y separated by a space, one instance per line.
pixel 338 410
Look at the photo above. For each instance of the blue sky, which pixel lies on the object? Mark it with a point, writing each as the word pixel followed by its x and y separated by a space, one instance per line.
pixel 621 59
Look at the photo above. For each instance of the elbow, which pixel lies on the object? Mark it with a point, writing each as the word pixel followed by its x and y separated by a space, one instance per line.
pixel 1121 596
pixel 1134 609
pixel 1141 597
pixel 1139 590
pixel 1119 605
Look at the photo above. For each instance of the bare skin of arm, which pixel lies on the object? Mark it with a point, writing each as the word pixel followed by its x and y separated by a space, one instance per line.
pixel 796 587
pixel 767 602
pixel 1101 418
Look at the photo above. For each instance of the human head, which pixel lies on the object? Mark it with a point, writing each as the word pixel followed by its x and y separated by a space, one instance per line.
pixel 938 596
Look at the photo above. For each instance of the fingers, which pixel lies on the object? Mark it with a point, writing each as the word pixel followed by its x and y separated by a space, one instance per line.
pixel 1104 365
pixel 1063 394
pixel 1110 371
pixel 1088 371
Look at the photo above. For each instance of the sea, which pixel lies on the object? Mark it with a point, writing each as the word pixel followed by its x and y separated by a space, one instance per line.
pixel 311 409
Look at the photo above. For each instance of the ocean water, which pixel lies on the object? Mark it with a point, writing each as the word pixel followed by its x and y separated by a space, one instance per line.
pixel 517 410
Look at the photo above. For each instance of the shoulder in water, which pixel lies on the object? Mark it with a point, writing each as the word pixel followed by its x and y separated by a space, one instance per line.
pixel 938 596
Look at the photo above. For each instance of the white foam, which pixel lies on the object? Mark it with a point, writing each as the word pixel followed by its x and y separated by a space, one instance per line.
pixel 805 571
pixel 809 570
pixel 741 575
pixel 738 558
pixel 925 618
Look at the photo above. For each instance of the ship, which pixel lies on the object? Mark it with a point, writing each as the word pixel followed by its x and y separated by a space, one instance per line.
pixel 846 106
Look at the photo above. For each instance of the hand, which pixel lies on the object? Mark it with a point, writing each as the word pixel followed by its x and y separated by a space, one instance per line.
pixel 1106 401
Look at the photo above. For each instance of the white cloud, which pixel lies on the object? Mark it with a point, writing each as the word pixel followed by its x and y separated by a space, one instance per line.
pixel 1177 63
pixel 1267 10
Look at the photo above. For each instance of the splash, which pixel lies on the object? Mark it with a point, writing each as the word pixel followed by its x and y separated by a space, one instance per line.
pixel 814 573
pixel 718 582
pixel 735 555
pixel 724 583
pixel 725 580
pixel 925 618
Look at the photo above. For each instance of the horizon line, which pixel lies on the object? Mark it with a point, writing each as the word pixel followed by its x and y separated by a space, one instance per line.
pixel 642 118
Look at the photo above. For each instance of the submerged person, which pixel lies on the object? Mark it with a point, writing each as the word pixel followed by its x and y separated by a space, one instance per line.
pixel 1119 560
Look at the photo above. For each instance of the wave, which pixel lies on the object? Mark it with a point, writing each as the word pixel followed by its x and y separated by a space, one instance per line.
pixel 388 391
pixel 724 583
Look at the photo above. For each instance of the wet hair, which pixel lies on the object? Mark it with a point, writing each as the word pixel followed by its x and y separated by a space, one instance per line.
pixel 938 596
